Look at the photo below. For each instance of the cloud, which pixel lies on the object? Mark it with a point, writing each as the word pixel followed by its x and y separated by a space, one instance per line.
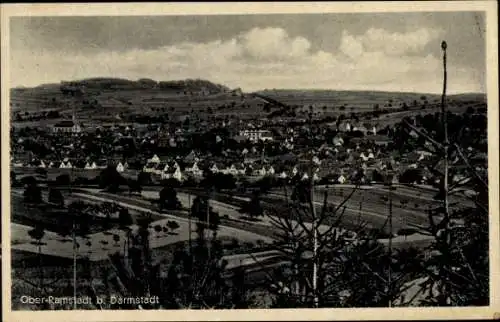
pixel 266 58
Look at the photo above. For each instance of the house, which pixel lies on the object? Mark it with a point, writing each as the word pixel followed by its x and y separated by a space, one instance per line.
pixel 259 170
pixel 172 173
pixel 214 168
pixel 235 169
pixel 173 164
pixel 120 167
pixel 191 157
pixel 38 164
pixel 423 155
pixel 90 166
pixel 341 179
pixel 338 141
pixel 257 135
pixel 65 164
pixel 269 170
pixel 102 164
pixel 150 166
pixel 380 140
pixel 230 169
pixel 241 168
pixel 67 127
pixel 160 168
pixel 18 164
pixel 79 164
pixel 283 175
pixel 193 169
pixel 154 159
pixel 345 127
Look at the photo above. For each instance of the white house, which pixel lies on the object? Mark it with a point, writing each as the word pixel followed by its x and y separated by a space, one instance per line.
pixel 214 168
pixel 192 168
pixel 154 159
pixel 283 175
pixel 363 156
pixel 120 167
pixel 173 164
pixel 257 135
pixel 149 167
pixel 160 168
pixel 259 170
pixel 174 173
pixel 342 179
pixel 41 164
pixel 90 166
pixel 269 170
pixel 240 169
pixel 17 164
pixel 338 141
pixel 65 165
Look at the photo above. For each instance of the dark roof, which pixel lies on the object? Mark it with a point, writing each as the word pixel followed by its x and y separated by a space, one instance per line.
pixel 64 124
pixel 160 166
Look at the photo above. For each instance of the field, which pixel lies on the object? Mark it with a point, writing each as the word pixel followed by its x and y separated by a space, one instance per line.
pixel 104 105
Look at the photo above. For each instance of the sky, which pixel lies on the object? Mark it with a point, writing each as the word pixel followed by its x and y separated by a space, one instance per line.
pixel 338 51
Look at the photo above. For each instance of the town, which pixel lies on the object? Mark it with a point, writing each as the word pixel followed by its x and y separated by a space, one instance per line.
pixel 220 162
pixel 238 164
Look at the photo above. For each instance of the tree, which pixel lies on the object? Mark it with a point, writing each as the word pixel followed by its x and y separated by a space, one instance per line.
pixel 470 110
pixel 457 272
pixel 63 180
pixel 116 239
pixel 144 178
pixel 13 179
pixel 377 177
pixel 125 220
pixel 172 225
pixel 56 197
pixel 168 199
pixel 171 182
pixel 37 234
pixel 110 179
pixel 32 193
pixel 158 230
pixel 134 186
pixel 254 208
pixel 411 176
pixel 199 211
pixel 124 217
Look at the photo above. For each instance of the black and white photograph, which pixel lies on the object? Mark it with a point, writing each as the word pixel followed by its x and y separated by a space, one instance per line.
pixel 249 161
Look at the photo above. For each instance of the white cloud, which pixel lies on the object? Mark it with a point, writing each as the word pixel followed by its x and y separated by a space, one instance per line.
pixel 394 43
pixel 266 58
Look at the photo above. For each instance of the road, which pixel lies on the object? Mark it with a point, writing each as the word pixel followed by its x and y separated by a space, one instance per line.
pixel 102 243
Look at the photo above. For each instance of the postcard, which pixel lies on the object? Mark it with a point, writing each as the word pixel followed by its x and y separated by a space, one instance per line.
pixel 250 161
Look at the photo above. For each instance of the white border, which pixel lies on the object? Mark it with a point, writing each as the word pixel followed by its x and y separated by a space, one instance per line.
pixel 140 9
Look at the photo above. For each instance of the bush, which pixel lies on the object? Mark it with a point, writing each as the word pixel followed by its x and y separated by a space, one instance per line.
pixel 63 180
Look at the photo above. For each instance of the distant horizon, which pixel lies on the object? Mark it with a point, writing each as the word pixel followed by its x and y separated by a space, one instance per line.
pixel 246 91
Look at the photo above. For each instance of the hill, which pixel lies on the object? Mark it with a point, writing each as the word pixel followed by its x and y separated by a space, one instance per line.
pixel 108 99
